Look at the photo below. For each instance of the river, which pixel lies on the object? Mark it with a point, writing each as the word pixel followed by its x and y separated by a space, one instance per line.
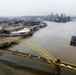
pixel 54 38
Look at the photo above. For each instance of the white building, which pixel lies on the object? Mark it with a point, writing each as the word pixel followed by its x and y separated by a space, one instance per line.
pixel 0 28
pixel 25 31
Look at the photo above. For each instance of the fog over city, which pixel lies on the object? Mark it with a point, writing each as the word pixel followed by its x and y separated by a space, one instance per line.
pixel 36 7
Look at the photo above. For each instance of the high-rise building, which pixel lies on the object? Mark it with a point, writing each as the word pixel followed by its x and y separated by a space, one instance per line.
pixel 57 18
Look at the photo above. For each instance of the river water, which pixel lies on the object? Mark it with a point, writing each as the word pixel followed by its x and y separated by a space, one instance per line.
pixel 55 38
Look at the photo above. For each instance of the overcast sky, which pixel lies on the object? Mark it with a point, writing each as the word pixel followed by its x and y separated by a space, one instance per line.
pixel 36 7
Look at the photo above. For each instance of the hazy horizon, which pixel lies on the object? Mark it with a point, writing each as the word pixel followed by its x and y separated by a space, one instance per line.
pixel 37 7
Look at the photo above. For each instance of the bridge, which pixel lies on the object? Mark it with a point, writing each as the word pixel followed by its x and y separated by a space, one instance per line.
pixel 46 56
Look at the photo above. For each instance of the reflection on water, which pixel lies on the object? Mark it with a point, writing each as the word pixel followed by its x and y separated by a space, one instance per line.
pixel 55 38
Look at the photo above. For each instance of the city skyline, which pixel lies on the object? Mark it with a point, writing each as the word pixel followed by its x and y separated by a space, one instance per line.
pixel 36 7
